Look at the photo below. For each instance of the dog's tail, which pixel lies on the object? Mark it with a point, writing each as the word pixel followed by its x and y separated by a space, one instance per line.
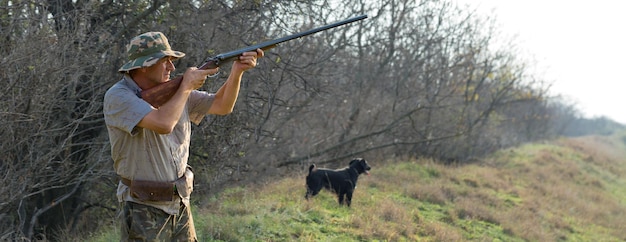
pixel 311 168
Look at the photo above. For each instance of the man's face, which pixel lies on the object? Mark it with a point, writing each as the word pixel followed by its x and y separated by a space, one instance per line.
pixel 160 72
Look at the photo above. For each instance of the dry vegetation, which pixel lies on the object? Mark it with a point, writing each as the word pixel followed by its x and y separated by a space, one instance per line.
pixel 566 190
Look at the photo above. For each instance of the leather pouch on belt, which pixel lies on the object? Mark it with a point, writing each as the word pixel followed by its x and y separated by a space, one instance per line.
pixel 184 185
pixel 151 190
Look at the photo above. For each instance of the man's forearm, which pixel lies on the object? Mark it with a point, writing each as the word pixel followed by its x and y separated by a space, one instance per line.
pixel 226 96
pixel 164 119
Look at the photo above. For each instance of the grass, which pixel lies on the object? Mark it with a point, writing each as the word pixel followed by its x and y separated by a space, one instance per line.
pixel 565 190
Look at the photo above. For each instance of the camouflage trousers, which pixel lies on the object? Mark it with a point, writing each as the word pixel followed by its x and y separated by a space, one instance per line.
pixel 145 223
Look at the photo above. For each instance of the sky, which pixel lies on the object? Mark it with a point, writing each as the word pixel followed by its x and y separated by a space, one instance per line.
pixel 578 46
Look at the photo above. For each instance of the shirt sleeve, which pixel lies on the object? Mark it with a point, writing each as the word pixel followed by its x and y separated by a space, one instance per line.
pixel 123 109
pixel 199 104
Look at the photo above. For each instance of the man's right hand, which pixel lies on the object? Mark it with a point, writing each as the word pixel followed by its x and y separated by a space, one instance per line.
pixel 194 78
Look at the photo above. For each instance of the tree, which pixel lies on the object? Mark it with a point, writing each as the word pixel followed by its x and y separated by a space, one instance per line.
pixel 416 78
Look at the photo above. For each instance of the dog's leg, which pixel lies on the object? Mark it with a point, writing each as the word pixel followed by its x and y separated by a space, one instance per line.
pixel 312 192
pixel 308 189
pixel 341 197
pixel 349 198
pixel 313 187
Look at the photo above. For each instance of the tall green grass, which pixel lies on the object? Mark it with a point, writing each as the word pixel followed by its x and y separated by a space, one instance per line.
pixel 566 190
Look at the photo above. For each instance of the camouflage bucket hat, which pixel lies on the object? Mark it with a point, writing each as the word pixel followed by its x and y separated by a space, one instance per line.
pixel 146 49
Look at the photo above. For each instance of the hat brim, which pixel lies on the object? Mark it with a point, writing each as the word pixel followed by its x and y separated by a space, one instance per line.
pixel 146 61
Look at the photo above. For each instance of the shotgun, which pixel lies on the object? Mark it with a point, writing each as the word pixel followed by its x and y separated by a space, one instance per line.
pixel 162 93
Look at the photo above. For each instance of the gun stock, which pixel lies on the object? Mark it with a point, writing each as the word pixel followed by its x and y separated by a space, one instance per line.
pixel 162 93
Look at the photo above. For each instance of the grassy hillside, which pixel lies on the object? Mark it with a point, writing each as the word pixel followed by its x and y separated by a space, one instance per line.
pixel 565 190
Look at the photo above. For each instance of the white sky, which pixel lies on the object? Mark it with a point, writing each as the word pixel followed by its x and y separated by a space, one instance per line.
pixel 579 45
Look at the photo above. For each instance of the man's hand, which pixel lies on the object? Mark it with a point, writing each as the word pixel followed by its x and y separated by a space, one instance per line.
pixel 247 61
pixel 194 78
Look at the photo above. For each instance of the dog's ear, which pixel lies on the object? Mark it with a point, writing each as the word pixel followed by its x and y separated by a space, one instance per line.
pixel 364 165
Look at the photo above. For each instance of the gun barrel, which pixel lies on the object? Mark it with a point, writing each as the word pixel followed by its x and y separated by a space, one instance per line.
pixel 272 43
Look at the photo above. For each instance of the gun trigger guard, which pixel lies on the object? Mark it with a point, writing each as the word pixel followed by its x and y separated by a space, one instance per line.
pixel 214 75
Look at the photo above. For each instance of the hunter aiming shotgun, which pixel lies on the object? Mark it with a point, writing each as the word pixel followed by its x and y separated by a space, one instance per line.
pixel 160 94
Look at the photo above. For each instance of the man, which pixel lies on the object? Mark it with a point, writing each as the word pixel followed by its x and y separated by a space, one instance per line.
pixel 150 146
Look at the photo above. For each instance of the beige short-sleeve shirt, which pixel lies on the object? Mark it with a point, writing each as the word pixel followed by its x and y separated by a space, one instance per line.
pixel 143 154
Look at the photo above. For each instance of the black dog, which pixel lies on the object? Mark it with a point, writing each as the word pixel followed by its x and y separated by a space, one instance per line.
pixel 342 182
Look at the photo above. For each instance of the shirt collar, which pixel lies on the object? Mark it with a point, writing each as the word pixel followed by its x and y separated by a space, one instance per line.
pixel 129 82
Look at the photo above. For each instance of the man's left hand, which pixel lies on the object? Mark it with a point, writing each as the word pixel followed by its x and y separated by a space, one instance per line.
pixel 247 60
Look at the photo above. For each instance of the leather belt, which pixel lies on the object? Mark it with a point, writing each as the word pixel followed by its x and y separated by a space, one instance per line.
pixel 127 182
